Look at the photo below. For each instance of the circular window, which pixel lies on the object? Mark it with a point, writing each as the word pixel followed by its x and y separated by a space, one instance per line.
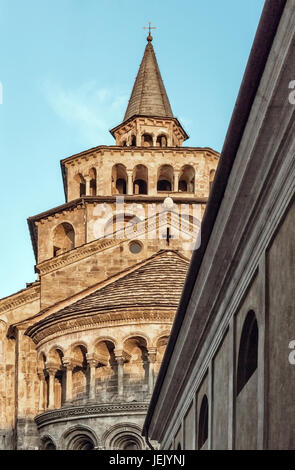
pixel 135 247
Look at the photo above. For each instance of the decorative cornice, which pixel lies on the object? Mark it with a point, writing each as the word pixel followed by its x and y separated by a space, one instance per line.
pixel 117 148
pixel 89 411
pixel 48 328
pixel 20 298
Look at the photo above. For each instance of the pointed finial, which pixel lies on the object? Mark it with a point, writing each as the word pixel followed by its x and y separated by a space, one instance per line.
pixel 150 37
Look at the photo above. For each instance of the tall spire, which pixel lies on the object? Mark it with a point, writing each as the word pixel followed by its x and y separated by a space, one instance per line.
pixel 149 97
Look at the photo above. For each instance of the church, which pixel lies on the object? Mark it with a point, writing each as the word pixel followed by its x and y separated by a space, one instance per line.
pixel 227 376
pixel 81 347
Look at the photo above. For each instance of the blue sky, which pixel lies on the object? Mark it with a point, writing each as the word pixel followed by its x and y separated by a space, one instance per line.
pixel 67 68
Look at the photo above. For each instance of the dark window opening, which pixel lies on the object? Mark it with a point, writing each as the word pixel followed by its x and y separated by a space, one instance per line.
pixel 203 423
pixel 121 186
pixel 248 351
pixel 182 186
pixel 164 185
pixel 161 141
pixel 139 187
pixel 146 140
pixel 82 189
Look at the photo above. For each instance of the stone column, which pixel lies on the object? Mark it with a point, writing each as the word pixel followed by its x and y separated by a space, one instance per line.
pixel 120 362
pixel 130 182
pixel 69 379
pixel 51 395
pixel 87 179
pixel 121 357
pixel 176 180
pixel 152 354
pixel 41 391
pixel 154 140
pixel 92 362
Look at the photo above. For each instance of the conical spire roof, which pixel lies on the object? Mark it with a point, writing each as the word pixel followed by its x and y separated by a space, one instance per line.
pixel 148 97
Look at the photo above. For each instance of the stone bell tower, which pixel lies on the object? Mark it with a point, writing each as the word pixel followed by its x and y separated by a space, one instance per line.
pixel 84 343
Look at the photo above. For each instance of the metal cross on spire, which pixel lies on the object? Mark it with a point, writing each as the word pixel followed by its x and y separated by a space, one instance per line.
pixel 149 27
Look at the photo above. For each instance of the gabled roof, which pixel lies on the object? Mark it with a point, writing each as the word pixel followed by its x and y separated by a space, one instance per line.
pixel 148 97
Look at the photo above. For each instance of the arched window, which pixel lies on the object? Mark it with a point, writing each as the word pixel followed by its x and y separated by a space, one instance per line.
pixel 179 447
pixel 79 438
pixel 140 179
pixel 63 238
pixel 106 380
pixel 146 140
pixel 187 179
pixel 47 443
pixel 165 178
pixel 79 374
pixel 161 141
pixel 124 143
pixel 248 351
pixel 136 370
pixel 82 184
pixel 55 358
pixel 93 182
pixel 119 179
pixel 211 179
pixel 203 423
pixel 133 141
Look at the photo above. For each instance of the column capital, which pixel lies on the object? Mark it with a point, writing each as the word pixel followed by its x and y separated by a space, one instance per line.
pixel 152 354
pixel 122 356
pixel 51 368
pixel 92 362
pixel 40 373
pixel 68 363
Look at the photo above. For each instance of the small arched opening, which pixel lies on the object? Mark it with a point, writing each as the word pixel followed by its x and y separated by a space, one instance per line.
pixel 63 238
pixel 119 179
pixel 165 178
pixel 146 140
pixel 161 141
pixel 79 374
pixel 161 347
pixel 187 179
pixel 80 180
pixel 93 181
pixel 248 351
pixel 55 358
pixel 106 383
pixel 47 443
pixel 80 438
pixel 203 422
pixel 127 441
pixel 133 141
pixel 136 369
pixel 140 180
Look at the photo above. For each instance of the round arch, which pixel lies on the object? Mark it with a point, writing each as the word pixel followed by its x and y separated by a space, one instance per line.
pixel 79 438
pixel 47 443
pixel 101 339
pixel 123 436
pixel 63 238
pixel 138 335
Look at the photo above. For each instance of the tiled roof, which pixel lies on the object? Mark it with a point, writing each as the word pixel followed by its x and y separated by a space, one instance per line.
pixel 158 283
pixel 148 97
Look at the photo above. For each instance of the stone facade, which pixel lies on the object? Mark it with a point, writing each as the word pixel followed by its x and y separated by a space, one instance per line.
pixel 236 318
pixel 81 347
